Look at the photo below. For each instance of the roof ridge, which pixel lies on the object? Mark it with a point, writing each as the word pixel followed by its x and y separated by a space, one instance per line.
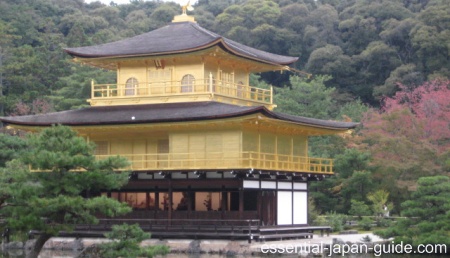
pixel 201 29
pixel 231 43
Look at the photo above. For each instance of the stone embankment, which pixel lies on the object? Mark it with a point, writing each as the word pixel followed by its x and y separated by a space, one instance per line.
pixel 222 247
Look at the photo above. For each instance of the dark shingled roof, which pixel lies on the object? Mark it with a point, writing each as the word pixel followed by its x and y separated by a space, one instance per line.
pixel 178 37
pixel 159 113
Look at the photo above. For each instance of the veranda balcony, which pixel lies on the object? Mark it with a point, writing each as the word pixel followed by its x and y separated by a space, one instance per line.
pixel 176 91
pixel 225 161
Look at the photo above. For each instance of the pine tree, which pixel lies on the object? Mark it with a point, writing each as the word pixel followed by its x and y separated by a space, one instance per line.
pixel 49 199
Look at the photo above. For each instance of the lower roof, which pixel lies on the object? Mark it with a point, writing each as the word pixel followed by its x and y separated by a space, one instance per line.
pixel 161 113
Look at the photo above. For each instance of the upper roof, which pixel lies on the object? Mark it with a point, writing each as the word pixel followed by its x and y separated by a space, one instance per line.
pixel 160 113
pixel 175 38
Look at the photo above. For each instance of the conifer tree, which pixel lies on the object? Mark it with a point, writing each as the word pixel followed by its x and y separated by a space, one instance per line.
pixel 50 199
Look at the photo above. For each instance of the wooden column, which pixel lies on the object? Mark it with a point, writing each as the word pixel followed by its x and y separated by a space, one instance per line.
pixel 223 205
pixel 169 210
pixel 259 204
pixel 156 201
pixel 241 203
pixel 147 200
pixel 189 202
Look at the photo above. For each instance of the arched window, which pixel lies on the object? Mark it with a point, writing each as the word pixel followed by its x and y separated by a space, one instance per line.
pixel 130 86
pixel 187 83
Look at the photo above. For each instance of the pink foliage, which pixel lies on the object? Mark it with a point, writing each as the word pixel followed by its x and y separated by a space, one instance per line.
pixel 21 109
pixel 430 104
pixel 412 128
pixel 38 106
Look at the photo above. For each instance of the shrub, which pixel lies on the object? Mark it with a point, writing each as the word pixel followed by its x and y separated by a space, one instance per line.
pixel 336 221
pixel 359 209
pixel 125 243
pixel 384 223
pixel 365 223
pixel 320 221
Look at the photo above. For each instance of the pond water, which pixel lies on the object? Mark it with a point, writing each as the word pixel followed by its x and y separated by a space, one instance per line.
pixel 70 254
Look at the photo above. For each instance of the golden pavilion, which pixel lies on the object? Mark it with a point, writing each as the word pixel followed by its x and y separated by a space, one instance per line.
pixel 206 148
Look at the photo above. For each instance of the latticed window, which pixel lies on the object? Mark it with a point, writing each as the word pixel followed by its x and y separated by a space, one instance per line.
pixel 187 83
pixel 160 75
pixel 130 86
pixel 102 148
pixel 160 80
pixel 163 153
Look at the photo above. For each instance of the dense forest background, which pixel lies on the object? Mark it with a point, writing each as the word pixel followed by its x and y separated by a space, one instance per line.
pixel 365 57
pixel 366 46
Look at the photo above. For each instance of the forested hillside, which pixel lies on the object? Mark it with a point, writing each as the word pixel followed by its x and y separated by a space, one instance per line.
pixel 358 51
pixel 366 46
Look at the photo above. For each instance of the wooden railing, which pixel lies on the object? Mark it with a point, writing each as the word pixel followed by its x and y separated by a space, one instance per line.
pixel 227 160
pixel 177 88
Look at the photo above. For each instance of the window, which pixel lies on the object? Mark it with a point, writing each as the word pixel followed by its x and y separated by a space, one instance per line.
pixel 187 83
pixel 160 80
pixel 101 148
pixel 160 75
pixel 130 86
pixel 163 153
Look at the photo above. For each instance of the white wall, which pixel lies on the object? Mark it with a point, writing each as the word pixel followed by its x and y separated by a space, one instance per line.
pixel 300 208
pixel 284 208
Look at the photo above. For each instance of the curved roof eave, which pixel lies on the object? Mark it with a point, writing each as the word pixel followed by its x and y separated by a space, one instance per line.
pixel 187 50
pixel 165 113
pixel 221 42
pixel 195 38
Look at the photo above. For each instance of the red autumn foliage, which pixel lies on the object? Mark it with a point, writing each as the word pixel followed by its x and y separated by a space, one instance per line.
pixel 411 130
pixel 38 106
pixel 430 104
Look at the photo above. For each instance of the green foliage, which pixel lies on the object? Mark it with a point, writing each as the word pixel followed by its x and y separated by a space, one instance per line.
pixel 359 209
pixel 358 185
pixel 353 110
pixel 366 46
pixel 383 222
pixel 336 221
pixel 351 160
pixel 11 147
pixel 125 240
pixel 380 205
pixel 15 185
pixel 51 200
pixel 306 98
pixel 428 219
pixel 351 183
pixel 320 221
pixel 312 211
pixel 365 223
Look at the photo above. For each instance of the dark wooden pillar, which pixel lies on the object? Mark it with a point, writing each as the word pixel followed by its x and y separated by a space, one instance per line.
pixel 241 203
pixel 259 205
pixel 169 210
pixel 147 200
pixel 223 204
pixel 156 208
pixel 189 202
pixel 274 207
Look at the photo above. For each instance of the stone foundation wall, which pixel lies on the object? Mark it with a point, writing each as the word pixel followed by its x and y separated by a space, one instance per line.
pixel 225 247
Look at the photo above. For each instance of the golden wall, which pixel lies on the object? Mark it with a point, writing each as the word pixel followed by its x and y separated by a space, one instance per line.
pixel 200 149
